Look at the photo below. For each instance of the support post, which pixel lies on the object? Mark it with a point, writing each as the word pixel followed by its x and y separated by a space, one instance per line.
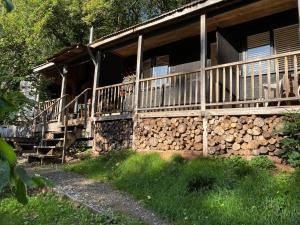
pixel 96 83
pixel 62 101
pixel 299 12
pixel 203 59
pixel 203 44
pixel 139 69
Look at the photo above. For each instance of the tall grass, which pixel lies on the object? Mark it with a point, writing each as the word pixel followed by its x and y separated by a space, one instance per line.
pixel 201 191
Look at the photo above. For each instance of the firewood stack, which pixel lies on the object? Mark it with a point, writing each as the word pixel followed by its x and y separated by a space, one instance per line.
pixel 110 135
pixel 244 135
pixel 182 133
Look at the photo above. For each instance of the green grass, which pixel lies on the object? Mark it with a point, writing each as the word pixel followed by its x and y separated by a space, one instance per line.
pixel 201 191
pixel 48 209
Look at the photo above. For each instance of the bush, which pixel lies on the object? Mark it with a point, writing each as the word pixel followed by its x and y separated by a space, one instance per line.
pixel 291 143
pixel 262 162
pixel 202 182
pixel 239 166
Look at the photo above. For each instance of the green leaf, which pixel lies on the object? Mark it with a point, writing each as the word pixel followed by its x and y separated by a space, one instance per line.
pixel 7 153
pixel 40 182
pixel 21 192
pixel 22 174
pixel 4 174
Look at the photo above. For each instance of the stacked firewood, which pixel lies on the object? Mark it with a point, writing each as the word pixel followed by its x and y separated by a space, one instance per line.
pixel 244 135
pixel 181 133
pixel 111 135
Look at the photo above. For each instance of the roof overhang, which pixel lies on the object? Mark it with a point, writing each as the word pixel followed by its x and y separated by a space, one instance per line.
pixel 43 67
pixel 188 9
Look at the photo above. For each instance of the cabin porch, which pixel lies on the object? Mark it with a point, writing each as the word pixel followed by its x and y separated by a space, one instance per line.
pixel 243 60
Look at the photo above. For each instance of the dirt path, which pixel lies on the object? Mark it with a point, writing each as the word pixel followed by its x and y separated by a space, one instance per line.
pixel 99 197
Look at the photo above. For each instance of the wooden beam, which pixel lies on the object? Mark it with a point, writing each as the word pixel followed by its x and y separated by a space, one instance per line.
pixel 62 94
pixel 96 83
pixel 139 69
pixel 203 44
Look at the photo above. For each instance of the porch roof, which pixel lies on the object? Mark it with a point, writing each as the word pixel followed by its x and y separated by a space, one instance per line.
pixel 155 22
pixel 184 22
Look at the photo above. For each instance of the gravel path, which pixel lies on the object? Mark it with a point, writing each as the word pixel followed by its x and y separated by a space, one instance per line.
pixel 99 197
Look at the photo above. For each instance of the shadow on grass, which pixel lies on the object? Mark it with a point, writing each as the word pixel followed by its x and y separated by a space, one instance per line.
pixel 201 191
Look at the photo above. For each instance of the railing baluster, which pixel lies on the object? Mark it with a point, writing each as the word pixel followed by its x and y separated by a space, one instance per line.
pixel 286 77
pixel 151 93
pixel 196 89
pixel 224 84
pixel 296 84
pixel 179 92
pixel 260 86
pixel 210 86
pixel 252 82
pixel 175 89
pixel 230 83
pixel 269 78
pixel 142 89
pixel 217 85
pixel 147 94
pixel 245 81
pixel 277 78
pixel 170 91
pixel 185 83
pixel 191 87
pixel 165 92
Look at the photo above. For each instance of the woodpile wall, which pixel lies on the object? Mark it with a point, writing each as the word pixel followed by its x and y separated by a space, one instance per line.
pixel 110 135
pixel 181 133
pixel 226 135
pixel 244 135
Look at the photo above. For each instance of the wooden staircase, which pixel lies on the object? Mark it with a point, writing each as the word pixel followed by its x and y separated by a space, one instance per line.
pixel 54 145
pixel 70 125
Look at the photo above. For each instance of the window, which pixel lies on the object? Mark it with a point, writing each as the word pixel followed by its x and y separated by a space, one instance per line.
pixel 287 39
pixel 258 45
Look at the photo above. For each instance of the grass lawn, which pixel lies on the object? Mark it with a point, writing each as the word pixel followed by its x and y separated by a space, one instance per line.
pixel 48 209
pixel 202 191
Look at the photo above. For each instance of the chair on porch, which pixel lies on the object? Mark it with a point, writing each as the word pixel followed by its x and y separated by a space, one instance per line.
pixel 284 89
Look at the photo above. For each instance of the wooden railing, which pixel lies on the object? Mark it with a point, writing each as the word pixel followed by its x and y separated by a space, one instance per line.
pixel 79 107
pixel 180 90
pixel 115 99
pixel 48 110
pixel 259 82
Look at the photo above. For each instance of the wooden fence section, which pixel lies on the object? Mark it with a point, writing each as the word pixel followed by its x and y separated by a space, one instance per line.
pixel 50 108
pixel 180 90
pixel 115 99
pixel 261 82
pixel 264 81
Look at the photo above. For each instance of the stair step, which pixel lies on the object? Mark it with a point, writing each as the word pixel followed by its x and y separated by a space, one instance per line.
pixel 72 125
pixel 47 147
pixel 53 139
pixel 36 155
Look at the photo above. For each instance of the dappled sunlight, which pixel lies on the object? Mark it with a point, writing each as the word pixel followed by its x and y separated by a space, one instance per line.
pixel 202 191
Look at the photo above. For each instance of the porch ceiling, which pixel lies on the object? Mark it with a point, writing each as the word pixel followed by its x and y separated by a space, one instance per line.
pixel 255 10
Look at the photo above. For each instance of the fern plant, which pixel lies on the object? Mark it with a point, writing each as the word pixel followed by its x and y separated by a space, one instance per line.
pixel 291 142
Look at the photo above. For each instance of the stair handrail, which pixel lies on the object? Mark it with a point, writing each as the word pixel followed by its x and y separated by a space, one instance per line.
pixel 71 102
pixel 45 110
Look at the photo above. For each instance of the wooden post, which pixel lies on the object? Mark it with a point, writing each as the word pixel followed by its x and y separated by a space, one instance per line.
pixel 62 93
pixel 96 83
pixel 203 59
pixel 65 137
pixel 139 68
pixel 85 108
pixel 203 44
pixel 299 12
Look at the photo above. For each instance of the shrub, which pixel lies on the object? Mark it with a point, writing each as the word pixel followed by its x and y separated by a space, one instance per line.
pixel 202 182
pixel 291 143
pixel 262 162
pixel 239 166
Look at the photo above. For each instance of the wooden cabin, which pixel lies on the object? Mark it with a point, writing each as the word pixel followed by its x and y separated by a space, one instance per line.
pixel 212 77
